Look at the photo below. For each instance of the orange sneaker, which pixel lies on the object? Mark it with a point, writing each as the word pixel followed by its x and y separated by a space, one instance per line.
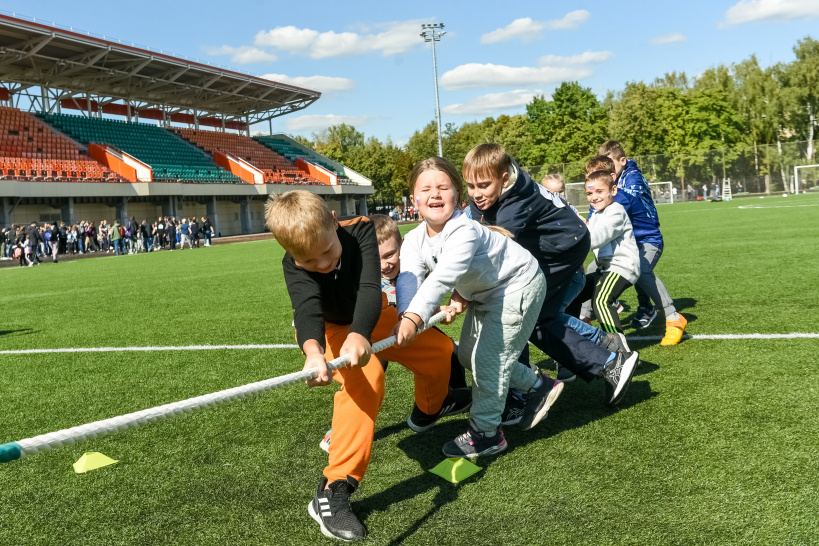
pixel 674 331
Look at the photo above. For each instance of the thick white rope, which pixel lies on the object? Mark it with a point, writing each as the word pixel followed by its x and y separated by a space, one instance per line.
pixel 46 442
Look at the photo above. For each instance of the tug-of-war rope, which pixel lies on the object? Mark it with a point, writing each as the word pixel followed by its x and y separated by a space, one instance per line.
pixel 46 442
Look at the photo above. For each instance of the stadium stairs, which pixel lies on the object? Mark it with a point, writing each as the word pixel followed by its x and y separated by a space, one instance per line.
pixel 30 150
pixel 170 158
pixel 302 155
pixel 275 169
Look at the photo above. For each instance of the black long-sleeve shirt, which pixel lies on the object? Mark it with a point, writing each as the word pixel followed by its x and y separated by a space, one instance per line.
pixel 351 294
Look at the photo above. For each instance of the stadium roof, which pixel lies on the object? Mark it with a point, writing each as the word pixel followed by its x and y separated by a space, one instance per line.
pixel 38 55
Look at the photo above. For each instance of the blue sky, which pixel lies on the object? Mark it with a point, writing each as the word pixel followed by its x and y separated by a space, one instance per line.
pixel 376 72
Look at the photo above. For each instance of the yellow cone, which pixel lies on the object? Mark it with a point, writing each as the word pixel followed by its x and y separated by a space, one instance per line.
pixel 455 469
pixel 92 461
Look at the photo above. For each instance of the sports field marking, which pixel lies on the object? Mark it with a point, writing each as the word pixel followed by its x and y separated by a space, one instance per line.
pixel 793 335
pixel 775 206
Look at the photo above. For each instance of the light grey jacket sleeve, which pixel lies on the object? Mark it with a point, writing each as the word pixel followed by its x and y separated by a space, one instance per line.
pixel 445 267
pixel 608 226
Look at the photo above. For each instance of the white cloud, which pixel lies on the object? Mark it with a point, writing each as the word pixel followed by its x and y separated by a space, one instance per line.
pixel 587 57
pixel 669 38
pixel 325 84
pixel 242 54
pixel 394 38
pixel 472 75
pixel 571 20
pixel 319 122
pixel 493 102
pixel 771 11
pixel 528 30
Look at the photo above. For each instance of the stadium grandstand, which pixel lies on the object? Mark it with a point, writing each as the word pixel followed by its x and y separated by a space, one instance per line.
pixel 92 128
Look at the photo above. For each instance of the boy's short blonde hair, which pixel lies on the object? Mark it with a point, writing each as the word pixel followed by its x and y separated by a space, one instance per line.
pixel 600 176
pixel 298 219
pixel 612 149
pixel 600 163
pixel 486 160
pixel 385 228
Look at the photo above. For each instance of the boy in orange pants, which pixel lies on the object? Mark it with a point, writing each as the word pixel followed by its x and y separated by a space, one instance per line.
pixel 332 272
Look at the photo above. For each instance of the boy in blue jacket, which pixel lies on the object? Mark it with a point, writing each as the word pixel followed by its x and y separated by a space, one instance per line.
pixel 502 194
pixel 644 218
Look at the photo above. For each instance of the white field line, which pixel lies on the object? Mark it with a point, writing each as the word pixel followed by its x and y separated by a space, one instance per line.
pixel 793 335
pixel 149 348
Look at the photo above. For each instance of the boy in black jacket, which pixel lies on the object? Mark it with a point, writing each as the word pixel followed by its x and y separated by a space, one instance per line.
pixel 502 194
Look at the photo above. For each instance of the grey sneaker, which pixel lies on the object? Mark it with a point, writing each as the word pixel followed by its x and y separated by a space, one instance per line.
pixel 618 374
pixel 474 443
pixel 643 317
pixel 539 400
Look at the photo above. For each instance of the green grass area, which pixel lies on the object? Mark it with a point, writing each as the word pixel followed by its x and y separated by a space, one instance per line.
pixel 715 443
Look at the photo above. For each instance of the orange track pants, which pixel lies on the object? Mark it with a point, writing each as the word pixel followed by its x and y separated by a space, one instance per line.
pixel 356 405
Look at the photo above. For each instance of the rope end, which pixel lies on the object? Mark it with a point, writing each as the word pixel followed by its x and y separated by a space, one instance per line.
pixel 10 452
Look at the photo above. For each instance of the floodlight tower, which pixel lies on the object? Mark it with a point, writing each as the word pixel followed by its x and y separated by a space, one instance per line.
pixel 432 33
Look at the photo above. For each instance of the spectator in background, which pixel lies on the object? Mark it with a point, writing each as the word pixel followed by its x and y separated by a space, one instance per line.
pixel 714 191
pixel 689 192
pixel 116 237
pixel 170 232
pixel 704 192
pixel 739 187
pixel 105 236
pixel 147 235
pixel 71 240
pixel 185 234
pixel 208 227
pixel 194 232
pixel 160 233
pixel 81 236
pixel 91 241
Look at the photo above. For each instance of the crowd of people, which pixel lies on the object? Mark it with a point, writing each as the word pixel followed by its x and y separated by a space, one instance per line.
pixel 512 259
pixel 30 244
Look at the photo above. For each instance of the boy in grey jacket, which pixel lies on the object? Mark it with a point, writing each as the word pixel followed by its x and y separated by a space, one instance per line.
pixel 616 253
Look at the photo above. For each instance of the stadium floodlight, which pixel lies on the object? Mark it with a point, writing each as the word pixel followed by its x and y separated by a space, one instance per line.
pixel 46 442
pixel 796 176
pixel 432 33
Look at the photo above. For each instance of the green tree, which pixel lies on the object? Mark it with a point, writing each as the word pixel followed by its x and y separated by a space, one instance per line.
pixel 568 128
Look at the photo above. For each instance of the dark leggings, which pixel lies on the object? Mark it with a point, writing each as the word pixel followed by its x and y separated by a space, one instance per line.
pixel 603 288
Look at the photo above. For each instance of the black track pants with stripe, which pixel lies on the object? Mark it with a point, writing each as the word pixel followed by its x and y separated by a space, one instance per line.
pixel 604 287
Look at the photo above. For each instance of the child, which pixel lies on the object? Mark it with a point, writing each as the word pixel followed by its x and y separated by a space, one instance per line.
pixel 555 184
pixel 501 287
pixel 649 287
pixel 332 275
pixel 616 256
pixel 502 194
pixel 389 250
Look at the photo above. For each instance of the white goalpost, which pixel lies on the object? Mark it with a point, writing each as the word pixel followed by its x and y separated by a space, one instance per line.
pixel 662 192
pixel 796 181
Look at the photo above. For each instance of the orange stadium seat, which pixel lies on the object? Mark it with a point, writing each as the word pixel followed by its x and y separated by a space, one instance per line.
pixel 276 168
pixel 31 150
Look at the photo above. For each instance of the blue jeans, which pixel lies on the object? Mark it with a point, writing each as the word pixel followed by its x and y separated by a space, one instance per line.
pixel 118 247
pixel 588 331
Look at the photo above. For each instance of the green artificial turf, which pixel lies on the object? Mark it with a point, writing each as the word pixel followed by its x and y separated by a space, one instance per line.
pixel 715 443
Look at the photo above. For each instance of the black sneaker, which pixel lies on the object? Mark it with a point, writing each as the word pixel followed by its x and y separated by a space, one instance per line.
pixel 473 443
pixel 643 317
pixel 564 374
pixel 513 411
pixel 539 400
pixel 331 510
pixel 457 401
pixel 618 374
pixel 613 342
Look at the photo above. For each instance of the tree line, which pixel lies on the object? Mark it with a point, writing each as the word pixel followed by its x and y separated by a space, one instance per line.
pixel 739 118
